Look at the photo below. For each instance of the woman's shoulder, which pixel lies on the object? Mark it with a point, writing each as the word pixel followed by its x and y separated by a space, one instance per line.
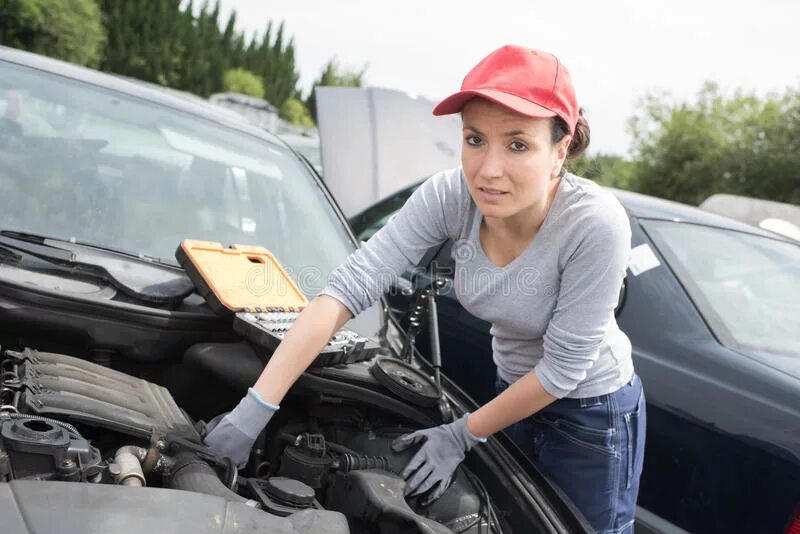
pixel 448 182
pixel 590 217
pixel 587 202
pixel 447 193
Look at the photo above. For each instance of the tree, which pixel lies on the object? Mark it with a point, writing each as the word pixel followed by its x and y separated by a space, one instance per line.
pixel 606 169
pixel 739 144
pixel 71 30
pixel 333 76
pixel 294 111
pixel 175 43
pixel 273 60
pixel 243 81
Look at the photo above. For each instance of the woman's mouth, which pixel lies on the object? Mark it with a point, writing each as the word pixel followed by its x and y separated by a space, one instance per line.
pixel 491 194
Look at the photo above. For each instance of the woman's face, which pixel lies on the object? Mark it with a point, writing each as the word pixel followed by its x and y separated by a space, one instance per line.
pixel 508 159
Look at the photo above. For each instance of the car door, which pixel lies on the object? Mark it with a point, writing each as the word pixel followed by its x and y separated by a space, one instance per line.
pixel 698 473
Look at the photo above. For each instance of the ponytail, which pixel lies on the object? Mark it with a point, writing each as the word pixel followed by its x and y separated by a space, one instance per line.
pixel 580 139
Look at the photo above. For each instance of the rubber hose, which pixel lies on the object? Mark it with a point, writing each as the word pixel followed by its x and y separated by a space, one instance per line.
pixel 190 473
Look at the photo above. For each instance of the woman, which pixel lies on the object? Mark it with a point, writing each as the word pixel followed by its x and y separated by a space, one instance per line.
pixel 567 392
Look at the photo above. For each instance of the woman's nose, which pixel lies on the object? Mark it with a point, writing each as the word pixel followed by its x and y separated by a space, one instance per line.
pixel 491 164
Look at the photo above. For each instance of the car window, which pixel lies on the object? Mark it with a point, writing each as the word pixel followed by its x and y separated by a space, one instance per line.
pixel 370 230
pixel 84 162
pixel 746 286
pixel 367 223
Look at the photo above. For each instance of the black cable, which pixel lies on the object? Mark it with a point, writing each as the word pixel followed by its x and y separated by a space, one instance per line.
pixel 493 521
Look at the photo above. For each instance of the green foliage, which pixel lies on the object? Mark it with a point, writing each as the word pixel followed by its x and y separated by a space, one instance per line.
pixel 243 81
pixel 333 76
pixel 606 169
pixel 296 112
pixel 738 144
pixel 146 40
pixel 173 43
pixel 273 60
pixel 168 42
pixel 65 29
pixel 162 43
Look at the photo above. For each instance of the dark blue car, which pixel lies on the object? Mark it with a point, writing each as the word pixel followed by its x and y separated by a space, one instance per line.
pixel 712 308
pixel 111 359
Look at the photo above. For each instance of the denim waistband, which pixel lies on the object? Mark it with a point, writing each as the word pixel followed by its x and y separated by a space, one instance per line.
pixel 586 401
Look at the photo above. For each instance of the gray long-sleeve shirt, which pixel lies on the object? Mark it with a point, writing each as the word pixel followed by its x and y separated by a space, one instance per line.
pixel 551 308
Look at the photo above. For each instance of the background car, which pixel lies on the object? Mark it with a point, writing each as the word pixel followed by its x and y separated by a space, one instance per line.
pixel 110 359
pixel 777 217
pixel 712 308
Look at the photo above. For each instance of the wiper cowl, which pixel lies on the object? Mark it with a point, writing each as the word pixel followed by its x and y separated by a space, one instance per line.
pixel 137 277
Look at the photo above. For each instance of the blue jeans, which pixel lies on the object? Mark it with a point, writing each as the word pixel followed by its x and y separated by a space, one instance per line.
pixel 593 448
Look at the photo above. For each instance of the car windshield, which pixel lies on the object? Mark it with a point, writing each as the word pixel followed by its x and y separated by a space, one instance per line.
pixel 83 162
pixel 746 286
pixel 310 151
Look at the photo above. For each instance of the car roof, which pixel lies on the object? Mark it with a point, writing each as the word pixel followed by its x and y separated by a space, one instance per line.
pixel 299 140
pixel 649 207
pixel 138 89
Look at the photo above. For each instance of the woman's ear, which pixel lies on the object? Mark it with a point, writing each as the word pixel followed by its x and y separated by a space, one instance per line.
pixel 560 153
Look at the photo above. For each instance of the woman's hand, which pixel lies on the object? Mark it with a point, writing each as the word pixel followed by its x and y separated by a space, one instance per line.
pixel 443 447
pixel 232 435
pixel 432 467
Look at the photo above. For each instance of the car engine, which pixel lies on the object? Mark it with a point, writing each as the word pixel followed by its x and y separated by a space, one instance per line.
pixel 324 463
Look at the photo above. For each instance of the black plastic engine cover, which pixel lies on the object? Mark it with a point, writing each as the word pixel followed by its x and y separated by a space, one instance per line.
pixel 75 508
pixel 377 496
pixel 62 386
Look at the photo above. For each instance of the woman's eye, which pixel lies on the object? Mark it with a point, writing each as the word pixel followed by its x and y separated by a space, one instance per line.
pixel 518 146
pixel 473 140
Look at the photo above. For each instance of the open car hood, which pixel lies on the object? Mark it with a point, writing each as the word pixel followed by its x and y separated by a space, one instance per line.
pixel 378 141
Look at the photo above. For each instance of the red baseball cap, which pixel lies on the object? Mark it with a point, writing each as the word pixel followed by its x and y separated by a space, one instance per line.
pixel 530 82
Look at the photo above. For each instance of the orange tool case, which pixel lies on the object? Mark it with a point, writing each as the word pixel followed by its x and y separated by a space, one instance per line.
pixel 239 278
pixel 249 283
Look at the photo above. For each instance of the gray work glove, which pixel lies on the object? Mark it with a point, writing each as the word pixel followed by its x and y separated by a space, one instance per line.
pixel 432 467
pixel 233 435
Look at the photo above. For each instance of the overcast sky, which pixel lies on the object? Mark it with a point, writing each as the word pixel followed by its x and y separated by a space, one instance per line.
pixel 617 51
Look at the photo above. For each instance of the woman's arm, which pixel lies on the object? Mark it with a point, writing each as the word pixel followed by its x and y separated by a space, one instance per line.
pixel 312 329
pixel 521 399
pixel 425 220
pixel 443 447
pixel 325 315
pixel 588 292
pixel 587 296
pixel 430 216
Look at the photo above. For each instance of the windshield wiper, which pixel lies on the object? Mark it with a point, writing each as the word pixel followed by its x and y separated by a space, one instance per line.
pixel 40 250
pixel 9 254
pixel 41 240
pixel 150 280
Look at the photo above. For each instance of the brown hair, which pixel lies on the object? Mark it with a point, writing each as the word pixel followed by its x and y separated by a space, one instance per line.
pixel 580 141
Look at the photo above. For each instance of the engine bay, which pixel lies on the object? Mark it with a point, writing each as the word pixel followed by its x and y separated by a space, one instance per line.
pixel 323 464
